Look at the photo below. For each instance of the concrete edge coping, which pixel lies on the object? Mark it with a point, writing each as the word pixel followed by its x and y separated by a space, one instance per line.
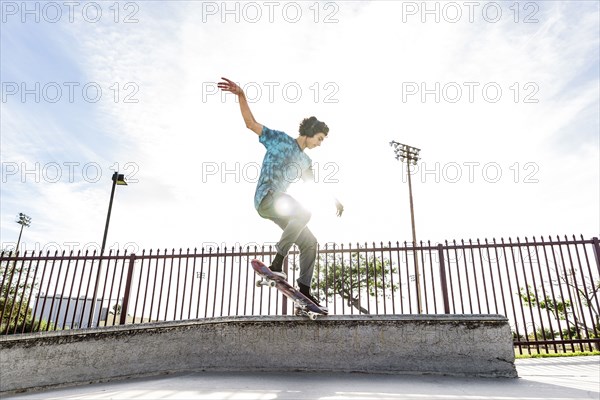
pixel 255 319
pixel 68 336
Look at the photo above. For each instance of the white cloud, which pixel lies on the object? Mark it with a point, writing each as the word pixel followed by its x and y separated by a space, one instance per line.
pixel 177 130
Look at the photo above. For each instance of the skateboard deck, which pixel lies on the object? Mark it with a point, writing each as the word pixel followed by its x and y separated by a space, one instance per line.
pixel 304 305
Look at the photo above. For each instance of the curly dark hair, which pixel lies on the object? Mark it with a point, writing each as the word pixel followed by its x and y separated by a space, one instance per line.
pixel 311 126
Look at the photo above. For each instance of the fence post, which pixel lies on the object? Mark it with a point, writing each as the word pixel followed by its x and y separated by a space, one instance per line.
pixel 596 251
pixel 443 279
pixel 127 291
pixel 8 287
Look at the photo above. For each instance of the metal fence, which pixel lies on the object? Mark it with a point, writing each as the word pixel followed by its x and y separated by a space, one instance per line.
pixel 548 289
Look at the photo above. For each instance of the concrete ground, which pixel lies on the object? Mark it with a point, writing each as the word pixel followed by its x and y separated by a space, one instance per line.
pixel 550 378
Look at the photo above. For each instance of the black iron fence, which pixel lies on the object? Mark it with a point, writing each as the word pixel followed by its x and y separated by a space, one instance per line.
pixel 549 288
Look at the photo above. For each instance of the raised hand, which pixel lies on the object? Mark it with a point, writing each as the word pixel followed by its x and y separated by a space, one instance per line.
pixel 230 86
pixel 340 208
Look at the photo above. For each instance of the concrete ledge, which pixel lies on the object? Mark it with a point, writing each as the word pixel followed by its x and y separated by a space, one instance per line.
pixel 466 345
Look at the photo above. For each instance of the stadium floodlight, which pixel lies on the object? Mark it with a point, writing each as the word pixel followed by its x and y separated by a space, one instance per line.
pixel 410 155
pixel 23 220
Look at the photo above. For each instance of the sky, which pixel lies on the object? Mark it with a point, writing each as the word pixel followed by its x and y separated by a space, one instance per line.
pixel 502 99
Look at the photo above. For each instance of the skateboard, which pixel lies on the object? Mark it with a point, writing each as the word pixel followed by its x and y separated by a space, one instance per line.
pixel 304 306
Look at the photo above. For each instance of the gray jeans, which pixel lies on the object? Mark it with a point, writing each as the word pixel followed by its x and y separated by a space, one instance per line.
pixel 290 216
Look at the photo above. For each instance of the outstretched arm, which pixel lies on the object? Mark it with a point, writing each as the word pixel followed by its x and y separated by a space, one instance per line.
pixel 230 86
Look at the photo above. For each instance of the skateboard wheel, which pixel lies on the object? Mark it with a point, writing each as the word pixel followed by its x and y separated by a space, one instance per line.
pixel 258 283
pixel 272 283
pixel 312 316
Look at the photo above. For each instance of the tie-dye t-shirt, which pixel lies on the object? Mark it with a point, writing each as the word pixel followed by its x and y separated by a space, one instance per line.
pixel 284 163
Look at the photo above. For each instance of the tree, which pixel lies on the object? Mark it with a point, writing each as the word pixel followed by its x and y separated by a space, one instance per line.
pixel 355 279
pixel 562 309
pixel 116 309
pixel 15 294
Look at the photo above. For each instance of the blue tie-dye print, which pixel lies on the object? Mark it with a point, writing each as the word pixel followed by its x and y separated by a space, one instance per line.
pixel 284 163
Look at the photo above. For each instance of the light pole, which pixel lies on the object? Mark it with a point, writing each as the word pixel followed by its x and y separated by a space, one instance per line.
pixel 23 220
pixel 117 179
pixel 410 154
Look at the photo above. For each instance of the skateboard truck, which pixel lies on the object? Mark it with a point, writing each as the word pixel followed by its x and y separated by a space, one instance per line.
pixel 266 282
pixel 303 312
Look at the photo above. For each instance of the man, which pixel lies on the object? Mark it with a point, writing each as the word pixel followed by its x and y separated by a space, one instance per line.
pixel 284 160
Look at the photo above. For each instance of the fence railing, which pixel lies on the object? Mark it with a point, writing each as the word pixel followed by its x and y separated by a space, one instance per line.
pixel 549 289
